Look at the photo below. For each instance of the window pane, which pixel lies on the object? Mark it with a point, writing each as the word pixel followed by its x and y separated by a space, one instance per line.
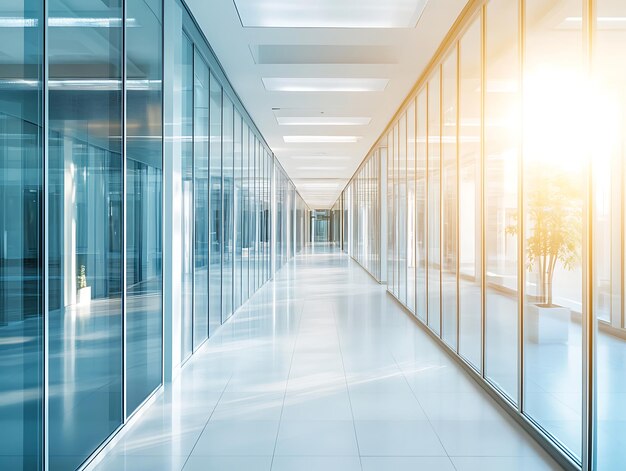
pixel 420 195
pixel 449 201
pixel 215 227
pixel 144 177
pixel 501 192
pixel 434 203
pixel 401 234
pixel 410 208
pixel 85 224
pixel 227 210
pixel 390 213
pixel 201 200
pixel 554 172
pixel 609 159
pixel 21 207
pixel 470 323
pixel 237 213
pixel 186 158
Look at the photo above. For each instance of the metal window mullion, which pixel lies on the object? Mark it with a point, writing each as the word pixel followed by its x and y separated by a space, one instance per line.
pixel 124 224
pixel 521 236
pixel 441 200
pixel 458 186
pixel 45 452
pixel 589 449
pixel 426 204
pixel 193 196
pixel 163 180
pixel 482 190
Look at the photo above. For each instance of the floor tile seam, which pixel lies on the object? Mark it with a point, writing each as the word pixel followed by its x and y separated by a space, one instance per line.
pixel 345 377
pixel 282 409
pixel 207 422
pixel 423 410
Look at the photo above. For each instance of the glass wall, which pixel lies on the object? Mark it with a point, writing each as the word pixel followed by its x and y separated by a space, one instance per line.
pixel 502 160
pixel 85 230
pixel 21 225
pixel 215 196
pixel 517 200
pixel 359 207
pixel 94 242
pixel 470 240
pixel 144 177
pixel 608 151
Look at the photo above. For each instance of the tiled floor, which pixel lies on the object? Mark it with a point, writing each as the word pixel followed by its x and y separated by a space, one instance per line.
pixel 321 370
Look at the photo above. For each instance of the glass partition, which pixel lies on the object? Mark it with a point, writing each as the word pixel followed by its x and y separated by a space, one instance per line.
pixel 21 227
pixel 469 143
pixel 85 231
pixel 144 182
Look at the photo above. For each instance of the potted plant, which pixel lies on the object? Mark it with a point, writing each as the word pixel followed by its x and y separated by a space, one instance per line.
pixel 84 291
pixel 554 208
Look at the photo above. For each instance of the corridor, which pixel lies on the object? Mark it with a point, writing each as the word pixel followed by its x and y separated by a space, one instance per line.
pixel 322 370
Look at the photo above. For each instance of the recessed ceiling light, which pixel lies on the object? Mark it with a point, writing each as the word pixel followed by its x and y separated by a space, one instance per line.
pixel 330 13
pixel 282 84
pixel 322 121
pixel 318 157
pixel 321 139
pixel 321 168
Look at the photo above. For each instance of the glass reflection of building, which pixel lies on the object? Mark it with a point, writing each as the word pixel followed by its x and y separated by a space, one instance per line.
pixel 83 213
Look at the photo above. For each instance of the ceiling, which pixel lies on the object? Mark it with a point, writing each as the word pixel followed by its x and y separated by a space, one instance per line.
pixel 322 78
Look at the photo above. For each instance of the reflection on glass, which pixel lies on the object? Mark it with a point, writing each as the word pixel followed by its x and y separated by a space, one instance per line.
pixel 609 158
pixel 434 203
pixel 21 258
pixel 186 203
pixel 501 189
pixel 215 223
pixel 144 177
pixel 201 200
pixel 244 201
pixel 470 323
pixel 554 172
pixel 401 218
pixel 449 201
pixel 227 209
pixel 238 212
pixel 411 257
pixel 390 213
pixel 85 233
pixel 420 205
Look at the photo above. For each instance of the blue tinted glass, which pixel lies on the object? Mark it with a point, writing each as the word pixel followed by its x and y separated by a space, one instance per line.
pixel 20 232
pixel 201 197
pixel 186 203
pixel 215 228
pixel 227 210
pixel 85 226
pixel 143 201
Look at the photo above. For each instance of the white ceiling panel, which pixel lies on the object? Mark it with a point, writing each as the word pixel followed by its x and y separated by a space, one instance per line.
pixel 329 13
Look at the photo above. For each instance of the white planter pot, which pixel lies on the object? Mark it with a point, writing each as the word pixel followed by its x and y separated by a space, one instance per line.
pixel 547 324
pixel 84 295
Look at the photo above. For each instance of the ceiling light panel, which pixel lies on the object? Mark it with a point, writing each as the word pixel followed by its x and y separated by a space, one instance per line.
pixel 318 157
pixel 322 121
pixel 320 139
pixel 281 84
pixel 330 13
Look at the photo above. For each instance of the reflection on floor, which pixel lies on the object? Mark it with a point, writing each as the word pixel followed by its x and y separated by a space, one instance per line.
pixel 322 370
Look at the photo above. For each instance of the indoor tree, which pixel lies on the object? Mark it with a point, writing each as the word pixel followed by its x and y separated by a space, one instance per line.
pixel 554 224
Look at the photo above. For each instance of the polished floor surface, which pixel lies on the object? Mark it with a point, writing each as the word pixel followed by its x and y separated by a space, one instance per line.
pixel 322 370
